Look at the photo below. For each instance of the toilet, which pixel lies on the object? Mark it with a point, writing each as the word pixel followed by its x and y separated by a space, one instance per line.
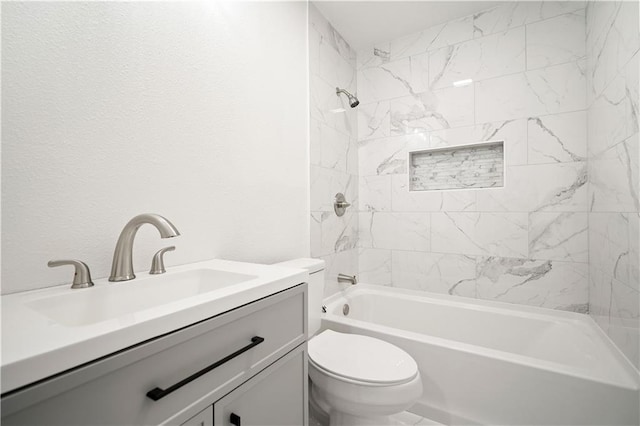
pixel 356 380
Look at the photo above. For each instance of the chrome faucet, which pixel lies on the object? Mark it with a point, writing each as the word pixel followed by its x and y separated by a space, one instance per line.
pixel 122 266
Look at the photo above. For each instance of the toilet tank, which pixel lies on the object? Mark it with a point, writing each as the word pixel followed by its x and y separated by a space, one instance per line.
pixel 316 288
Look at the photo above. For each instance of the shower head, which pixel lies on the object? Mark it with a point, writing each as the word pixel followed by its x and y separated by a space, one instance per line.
pixel 353 101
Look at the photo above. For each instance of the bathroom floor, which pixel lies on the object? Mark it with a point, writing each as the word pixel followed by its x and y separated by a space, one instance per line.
pixel 403 419
pixel 407 418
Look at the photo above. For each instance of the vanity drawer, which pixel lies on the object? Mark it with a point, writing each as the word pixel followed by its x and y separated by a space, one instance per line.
pixel 114 390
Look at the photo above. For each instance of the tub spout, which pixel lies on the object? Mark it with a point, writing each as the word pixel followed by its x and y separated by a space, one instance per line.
pixel 344 278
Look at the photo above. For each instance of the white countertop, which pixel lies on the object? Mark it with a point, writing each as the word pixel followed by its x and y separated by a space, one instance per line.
pixel 35 347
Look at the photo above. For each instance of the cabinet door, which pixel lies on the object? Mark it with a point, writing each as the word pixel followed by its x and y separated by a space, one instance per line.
pixel 203 418
pixel 275 397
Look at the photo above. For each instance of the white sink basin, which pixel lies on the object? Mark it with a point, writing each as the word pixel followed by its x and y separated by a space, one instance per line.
pixel 48 331
pixel 114 300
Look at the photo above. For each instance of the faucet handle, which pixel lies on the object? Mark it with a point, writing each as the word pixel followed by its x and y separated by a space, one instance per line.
pixel 81 276
pixel 340 204
pixel 157 264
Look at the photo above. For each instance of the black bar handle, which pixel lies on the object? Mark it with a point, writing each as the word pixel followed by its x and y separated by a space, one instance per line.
pixel 157 393
pixel 234 419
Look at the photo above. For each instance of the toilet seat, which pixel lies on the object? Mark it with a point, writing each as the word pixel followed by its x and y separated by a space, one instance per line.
pixel 363 359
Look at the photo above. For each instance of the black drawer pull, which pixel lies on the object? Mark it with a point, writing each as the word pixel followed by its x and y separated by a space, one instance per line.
pixel 158 393
pixel 234 419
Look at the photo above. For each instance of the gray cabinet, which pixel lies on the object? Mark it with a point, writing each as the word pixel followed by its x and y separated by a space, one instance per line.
pixel 203 418
pixel 275 397
pixel 113 390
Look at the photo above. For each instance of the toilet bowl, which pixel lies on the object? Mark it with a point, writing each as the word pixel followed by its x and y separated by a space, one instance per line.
pixel 359 380
pixel 356 380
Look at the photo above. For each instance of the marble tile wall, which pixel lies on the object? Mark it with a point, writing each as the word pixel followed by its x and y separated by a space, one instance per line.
pixel 613 190
pixel 525 243
pixel 333 151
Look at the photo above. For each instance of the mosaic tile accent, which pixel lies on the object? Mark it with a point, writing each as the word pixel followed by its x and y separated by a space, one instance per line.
pixel 461 167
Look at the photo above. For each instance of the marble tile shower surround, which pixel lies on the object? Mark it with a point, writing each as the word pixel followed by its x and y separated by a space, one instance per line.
pixel 333 149
pixel 525 243
pixel 558 82
pixel 613 61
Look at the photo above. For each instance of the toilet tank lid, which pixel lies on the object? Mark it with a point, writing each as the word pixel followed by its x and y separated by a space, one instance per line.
pixel 311 265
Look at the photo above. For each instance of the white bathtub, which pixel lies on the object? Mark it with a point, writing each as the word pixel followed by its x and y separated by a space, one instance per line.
pixel 494 363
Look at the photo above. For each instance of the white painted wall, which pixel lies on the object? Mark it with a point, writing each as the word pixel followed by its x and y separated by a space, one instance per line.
pixel 197 111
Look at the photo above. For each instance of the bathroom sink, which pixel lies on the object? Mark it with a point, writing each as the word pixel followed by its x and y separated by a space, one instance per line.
pixel 128 298
pixel 50 330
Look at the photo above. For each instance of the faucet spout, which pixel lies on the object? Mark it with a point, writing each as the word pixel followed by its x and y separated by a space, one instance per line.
pixel 122 266
pixel 344 278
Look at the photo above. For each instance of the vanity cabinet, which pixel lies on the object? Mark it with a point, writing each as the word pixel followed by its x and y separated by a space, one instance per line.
pixel 203 418
pixel 251 360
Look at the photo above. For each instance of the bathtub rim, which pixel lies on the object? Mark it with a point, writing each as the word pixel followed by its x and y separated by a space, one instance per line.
pixel 630 381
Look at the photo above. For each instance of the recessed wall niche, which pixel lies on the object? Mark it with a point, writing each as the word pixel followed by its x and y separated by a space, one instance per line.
pixel 478 165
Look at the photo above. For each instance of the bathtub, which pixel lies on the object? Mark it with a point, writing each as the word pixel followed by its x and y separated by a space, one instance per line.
pixel 493 363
